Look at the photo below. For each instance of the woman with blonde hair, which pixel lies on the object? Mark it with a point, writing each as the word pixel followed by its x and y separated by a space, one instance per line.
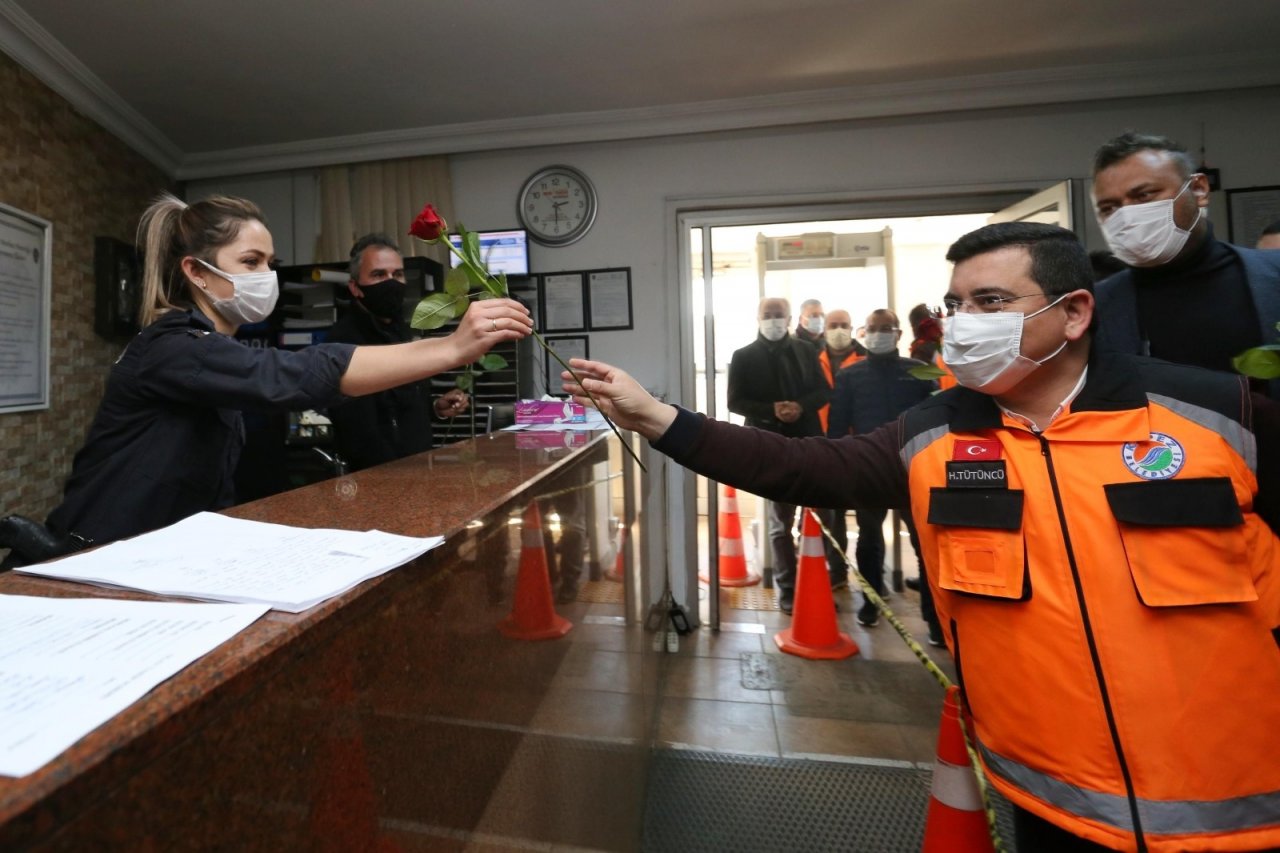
pixel 165 441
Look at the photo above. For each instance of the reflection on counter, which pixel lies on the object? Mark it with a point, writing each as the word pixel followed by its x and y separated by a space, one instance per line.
pixel 397 716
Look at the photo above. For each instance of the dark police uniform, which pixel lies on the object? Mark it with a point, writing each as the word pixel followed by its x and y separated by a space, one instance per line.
pixel 388 425
pixel 168 433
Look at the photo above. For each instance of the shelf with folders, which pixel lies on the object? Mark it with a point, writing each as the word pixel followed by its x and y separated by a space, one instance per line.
pixel 314 296
pixel 493 390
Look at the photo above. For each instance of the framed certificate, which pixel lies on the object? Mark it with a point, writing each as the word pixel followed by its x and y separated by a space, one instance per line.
pixel 1250 210
pixel 567 347
pixel 26 286
pixel 564 307
pixel 609 299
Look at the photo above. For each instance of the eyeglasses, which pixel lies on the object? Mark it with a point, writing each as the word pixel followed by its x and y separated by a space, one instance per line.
pixel 986 303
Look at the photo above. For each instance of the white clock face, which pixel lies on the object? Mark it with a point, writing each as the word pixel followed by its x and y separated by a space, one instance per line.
pixel 558 205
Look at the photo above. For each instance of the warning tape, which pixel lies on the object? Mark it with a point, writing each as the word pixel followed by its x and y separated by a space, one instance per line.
pixel 933 670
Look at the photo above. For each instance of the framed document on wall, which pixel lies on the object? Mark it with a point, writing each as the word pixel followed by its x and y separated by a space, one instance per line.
pixel 567 347
pixel 564 307
pixel 25 288
pixel 1249 210
pixel 609 299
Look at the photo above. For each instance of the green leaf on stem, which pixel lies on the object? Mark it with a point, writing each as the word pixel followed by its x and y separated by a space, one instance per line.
pixel 1260 362
pixel 435 310
pixel 460 306
pixel 498 286
pixel 465 381
pixel 926 371
pixel 456 282
pixel 471 247
pixel 492 361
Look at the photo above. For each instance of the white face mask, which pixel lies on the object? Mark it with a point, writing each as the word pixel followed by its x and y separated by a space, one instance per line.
pixel 984 351
pixel 253 299
pixel 774 329
pixel 814 325
pixel 879 343
pixel 839 339
pixel 1145 235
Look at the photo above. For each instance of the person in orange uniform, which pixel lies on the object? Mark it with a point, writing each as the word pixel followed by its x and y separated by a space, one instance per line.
pixel 839 350
pixel 1103 529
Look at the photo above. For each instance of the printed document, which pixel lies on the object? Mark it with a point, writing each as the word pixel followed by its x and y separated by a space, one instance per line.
pixel 219 558
pixel 67 665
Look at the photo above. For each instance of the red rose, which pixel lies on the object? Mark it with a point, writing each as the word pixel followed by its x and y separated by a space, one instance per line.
pixel 429 225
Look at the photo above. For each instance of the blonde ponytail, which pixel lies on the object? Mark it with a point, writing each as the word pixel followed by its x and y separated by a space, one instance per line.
pixel 156 232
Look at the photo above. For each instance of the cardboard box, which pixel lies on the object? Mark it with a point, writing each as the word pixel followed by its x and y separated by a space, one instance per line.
pixel 549 412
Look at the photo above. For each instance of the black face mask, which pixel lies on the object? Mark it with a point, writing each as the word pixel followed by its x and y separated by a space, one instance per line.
pixel 384 299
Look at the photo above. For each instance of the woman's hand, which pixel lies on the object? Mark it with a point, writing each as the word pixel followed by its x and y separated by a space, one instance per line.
pixel 487 323
pixel 619 396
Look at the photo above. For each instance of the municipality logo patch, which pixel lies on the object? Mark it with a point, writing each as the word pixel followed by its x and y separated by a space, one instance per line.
pixel 1157 459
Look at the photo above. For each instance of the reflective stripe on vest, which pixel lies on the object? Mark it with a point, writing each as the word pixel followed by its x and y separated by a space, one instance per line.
pixel 1159 817
pixel 1242 441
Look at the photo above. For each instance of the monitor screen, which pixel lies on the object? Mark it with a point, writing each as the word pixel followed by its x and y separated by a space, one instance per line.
pixel 502 251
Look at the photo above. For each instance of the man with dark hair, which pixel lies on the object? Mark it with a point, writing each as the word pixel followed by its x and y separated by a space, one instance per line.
pixel 812 324
pixel 869 395
pixel 1185 296
pixel 1270 237
pixel 775 384
pixel 1100 534
pixel 385 426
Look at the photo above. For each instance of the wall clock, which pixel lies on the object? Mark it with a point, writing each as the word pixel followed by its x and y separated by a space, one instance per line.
pixel 557 205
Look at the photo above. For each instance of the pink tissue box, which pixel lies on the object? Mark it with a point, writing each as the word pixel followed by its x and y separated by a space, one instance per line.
pixel 549 412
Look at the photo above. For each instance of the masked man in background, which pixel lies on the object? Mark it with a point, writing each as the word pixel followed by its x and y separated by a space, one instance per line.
pixel 775 384
pixel 395 423
pixel 1186 297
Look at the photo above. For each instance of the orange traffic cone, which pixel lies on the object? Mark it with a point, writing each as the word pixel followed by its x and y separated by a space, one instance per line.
pixel 532 615
pixel 619 564
pixel 733 560
pixel 956 822
pixel 813 632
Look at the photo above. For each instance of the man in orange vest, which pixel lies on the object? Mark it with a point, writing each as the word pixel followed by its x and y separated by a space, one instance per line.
pixel 839 350
pixel 1103 529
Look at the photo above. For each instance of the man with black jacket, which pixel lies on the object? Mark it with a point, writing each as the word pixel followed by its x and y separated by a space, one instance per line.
pixel 775 384
pixel 385 426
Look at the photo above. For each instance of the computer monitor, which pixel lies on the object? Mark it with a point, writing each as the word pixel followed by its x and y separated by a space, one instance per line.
pixel 502 251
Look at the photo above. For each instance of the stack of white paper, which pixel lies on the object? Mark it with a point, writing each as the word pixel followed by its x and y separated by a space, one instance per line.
pixel 67 665
pixel 217 558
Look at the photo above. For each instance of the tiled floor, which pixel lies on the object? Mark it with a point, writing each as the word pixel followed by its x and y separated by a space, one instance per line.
pixel 704 703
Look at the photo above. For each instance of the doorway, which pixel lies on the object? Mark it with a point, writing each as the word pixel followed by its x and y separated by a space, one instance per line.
pixel 725 270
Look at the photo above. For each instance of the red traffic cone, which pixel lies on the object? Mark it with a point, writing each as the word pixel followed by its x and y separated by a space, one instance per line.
pixel 619 564
pixel 956 822
pixel 733 560
pixel 813 633
pixel 532 615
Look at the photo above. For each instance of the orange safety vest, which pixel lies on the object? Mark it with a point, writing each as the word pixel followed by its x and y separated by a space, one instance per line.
pixel 1109 598
pixel 824 359
pixel 948 381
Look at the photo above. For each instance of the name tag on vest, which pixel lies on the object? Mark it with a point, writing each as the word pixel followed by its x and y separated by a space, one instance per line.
pixel 977 475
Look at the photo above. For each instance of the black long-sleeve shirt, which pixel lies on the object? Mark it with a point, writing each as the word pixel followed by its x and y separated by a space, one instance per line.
pixel 168 433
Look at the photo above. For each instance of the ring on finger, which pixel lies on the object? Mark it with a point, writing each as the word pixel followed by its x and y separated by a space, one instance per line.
pixel 493 324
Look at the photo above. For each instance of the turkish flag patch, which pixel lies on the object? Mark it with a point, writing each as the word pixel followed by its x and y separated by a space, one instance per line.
pixel 981 449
